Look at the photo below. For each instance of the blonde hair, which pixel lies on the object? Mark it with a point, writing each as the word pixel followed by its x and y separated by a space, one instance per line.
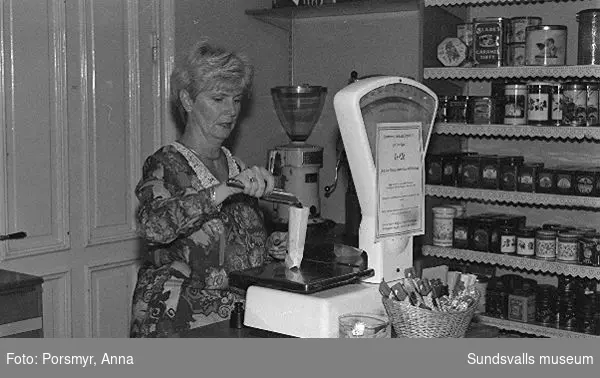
pixel 209 67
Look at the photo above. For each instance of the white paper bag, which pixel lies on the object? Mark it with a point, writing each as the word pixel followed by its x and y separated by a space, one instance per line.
pixel 298 221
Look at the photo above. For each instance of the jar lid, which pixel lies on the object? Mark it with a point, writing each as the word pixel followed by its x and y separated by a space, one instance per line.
pixel 539 83
pixel 592 237
pixel 546 27
pixel 593 10
pixel 547 233
pixel 568 235
pixel 444 210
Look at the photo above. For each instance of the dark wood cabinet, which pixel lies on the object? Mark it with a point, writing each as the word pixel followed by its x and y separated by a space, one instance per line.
pixel 20 305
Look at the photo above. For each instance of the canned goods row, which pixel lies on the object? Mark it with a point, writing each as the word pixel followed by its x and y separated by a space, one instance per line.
pixel 469 109
pixel 501 41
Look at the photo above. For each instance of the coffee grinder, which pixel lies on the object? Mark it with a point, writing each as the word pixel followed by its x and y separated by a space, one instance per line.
pixel 296 165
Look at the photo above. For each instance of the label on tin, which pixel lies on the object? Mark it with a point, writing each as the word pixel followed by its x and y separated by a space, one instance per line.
pixel 574 106
pixel 507 243
pixel 525 246
pixel 585 184
pixel 538 105
pixel 488 42
pixel 518 26
pixel 515 106
pixel 546 47
pixel 592 107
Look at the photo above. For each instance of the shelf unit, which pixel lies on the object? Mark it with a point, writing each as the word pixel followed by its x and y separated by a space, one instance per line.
pixel 519 132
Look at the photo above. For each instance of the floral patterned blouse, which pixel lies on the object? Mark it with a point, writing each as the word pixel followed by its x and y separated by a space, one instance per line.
pixel 183 282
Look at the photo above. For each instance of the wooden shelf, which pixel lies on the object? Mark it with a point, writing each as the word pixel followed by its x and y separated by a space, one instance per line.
pixel 476 73
pixel 437 3
pixel 523 198
pixel 514 261
pixel 282 17
pixel 519 131
pixel 530 328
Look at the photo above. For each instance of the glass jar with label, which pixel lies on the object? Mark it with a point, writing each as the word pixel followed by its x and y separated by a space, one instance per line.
pixel 443 217
pixel 515 106
pixel 545 245
pixel 508 240
pixel 566 247
pixel 574 104
pixel 538 103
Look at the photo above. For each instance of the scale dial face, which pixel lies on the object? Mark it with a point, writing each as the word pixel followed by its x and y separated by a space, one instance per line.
pixel 396 103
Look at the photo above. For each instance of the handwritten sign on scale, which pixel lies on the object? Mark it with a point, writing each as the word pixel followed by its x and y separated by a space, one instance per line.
pixel 400 180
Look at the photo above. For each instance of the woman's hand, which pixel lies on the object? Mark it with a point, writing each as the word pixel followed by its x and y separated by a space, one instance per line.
pixel 277 245
pixel 257 181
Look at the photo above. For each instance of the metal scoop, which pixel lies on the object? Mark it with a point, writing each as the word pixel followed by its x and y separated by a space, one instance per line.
pixel 277 195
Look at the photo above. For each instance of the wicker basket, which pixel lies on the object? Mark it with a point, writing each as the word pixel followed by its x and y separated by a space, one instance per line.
pixel 416 322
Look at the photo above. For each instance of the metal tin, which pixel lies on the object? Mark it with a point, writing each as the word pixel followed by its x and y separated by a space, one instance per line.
pixel 442 111
pixel 538 103
pixel 546 45
pixel 461 232
pixel 449 169
pixel 482 238
pixel 457 109
pixel 515 96
pixel 574 104
pixel 589 248
pixel 518 26
pixel 470 171
pixel 545 304
pixel 566 247
pixel 556 114
pixel 588 37
pixel 521 306
pixel 545 244
pixel 545 182
pixel 490 172
pixel 489 38
pixel 509 172
pixel 585 182
pixel 433 168
pixel 526 241
pixel 564 181
pixel 528 176
pixel 515 55
pixel 508 240
pixel 443 225
pixel 481 110
pixel 464 32
pixel 591 104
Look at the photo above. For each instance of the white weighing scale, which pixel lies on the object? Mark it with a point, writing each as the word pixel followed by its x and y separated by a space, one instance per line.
pixel 385 123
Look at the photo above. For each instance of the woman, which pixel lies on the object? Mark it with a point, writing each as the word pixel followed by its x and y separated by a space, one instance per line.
pixel 197 228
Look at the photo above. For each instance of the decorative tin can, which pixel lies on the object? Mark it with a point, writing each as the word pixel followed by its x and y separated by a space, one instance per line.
pixel 585 182
pixel 490 172
pixel 516 54
pixel 564 181
pixel 528 176
pixel 556 115
pixel 538 103
pixel 518 26
pixel 545 304
pixel 509 172
pixel 545 182
pixel 452 52
pixel 470 172
pixel 449 169
pixel 566 247
pixel 489 38
pixel 592 104
pixel 588 37
pixel 515 96
pixel 482 236
pixel 457 109
pixel 443 225
pixel 442 111
pixel 574 104
pixel 546 45
pixel 461 232
pixel 521 306
pixel 589 249
pixel 526 241
pixel 508 240
pixel 433 167
pixel 481 110
pixel 464 32
pixel 545 245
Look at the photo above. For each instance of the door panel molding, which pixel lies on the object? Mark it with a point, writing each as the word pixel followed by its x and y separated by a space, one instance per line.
pixel 122 274
pixel 15 190
pixel 57 304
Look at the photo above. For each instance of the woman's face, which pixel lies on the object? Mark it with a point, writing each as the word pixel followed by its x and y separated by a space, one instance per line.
pixel 215 113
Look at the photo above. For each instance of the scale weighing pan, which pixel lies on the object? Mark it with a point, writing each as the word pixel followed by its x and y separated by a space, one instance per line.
pixel 324 266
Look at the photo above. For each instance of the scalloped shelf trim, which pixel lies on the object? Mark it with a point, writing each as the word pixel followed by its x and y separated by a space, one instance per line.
pixel 437 3
pixel 518 131
pixel 517 262
pixel 511 72
pixel 530 328
pixel 500 196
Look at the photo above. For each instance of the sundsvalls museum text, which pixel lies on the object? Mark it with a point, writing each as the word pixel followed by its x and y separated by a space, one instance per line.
pixel 527 359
